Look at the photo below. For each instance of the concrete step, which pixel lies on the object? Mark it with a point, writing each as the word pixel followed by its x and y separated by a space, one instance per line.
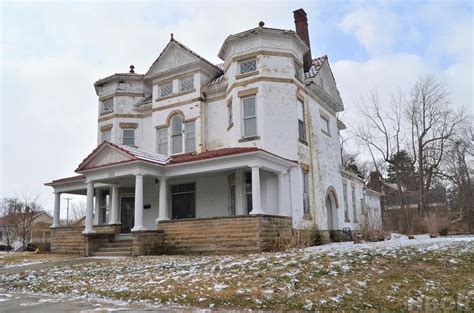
pixel 112 253
pixel 123 237
pixel 112 249
pixel 115 243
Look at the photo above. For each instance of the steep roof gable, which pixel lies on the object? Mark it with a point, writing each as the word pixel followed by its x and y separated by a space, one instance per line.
pixel 110 154
pixel 174 55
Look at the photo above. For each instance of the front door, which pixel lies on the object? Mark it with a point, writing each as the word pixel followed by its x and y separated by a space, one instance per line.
pixel 127 214
pixel 183 201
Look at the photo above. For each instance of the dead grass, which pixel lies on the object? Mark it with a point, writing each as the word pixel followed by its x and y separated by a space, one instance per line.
pixel 20 257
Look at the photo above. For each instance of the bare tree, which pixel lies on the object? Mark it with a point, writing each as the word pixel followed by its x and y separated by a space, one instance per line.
pixel 8 232
pixel 382 134
pixel 21 213
pixel 432 124
pixel 78 211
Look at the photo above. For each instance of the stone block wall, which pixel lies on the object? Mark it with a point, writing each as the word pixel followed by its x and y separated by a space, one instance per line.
pixel 67 240
pixel 235 234
pixel 148 242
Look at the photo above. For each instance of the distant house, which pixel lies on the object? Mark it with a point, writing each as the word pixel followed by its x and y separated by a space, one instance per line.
pixel 40 231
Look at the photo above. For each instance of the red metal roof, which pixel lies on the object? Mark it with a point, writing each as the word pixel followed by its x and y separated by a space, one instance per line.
pixel 211 154
pixel 67 179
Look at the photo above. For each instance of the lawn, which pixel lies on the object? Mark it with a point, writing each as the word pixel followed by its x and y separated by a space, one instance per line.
pixel 399 274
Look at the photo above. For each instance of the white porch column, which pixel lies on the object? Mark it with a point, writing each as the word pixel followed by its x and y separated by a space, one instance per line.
pixel 138 203
pixel 239 192
pixel 115 205
pixel 89 209
pixel 57 207
pixel 256 196
pixel 281 194
pixel 163 203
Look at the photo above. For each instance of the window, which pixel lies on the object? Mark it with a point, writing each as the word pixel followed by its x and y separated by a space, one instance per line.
pixel 128 136
pixel 250 117
pixel 346 205
pixel 166 89
pixel 248 191
pixel 183 198
pixel 301 123
pixel 248 66
pixel 104 205
pixel 108 105
pixel 325 125
pixel 162 141
pixel 107 135
pixel 306 209
pixel 189 137
pixel 230 114
pixel 354 205
pixel 298 72
pixel 176 134
pixel 186 84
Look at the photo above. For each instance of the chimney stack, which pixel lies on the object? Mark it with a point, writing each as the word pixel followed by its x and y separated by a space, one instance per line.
pixel 301 25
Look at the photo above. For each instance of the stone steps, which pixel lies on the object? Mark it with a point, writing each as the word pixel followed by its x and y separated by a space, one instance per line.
pixel 120 246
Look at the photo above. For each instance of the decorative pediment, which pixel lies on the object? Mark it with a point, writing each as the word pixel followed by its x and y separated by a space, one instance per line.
pixel 173 56
pixel 177 55
pixel 103 155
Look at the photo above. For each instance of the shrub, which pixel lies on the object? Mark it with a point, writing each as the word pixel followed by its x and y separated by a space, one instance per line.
pixel 5 248
pixel 371 228
pixel 288 239
pixel 41 247
pixel 436 223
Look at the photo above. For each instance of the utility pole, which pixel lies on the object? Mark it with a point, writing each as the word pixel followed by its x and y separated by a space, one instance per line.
pixel 67 212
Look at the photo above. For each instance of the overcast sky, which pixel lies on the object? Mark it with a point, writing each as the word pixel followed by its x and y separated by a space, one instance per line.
pixel 52 53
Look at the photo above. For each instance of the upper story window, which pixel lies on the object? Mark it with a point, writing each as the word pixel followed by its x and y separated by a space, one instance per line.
pixel 107 135
pixel 248 66
pixel 301 122
pixel 325 124
pixel 128 136
pixel 306 207
pixel 354 205
pixel 166 89
pixel 107 105
pixel 178 138
pixel 162 141
pixel 249 117
pixel 186 84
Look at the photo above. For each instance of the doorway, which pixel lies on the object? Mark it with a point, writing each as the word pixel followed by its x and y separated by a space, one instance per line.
pixel 127 214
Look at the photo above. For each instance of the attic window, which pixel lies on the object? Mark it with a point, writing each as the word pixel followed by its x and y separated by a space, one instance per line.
pixel 108 105
pixel 166 89
pixel 248 66
pixel 186 84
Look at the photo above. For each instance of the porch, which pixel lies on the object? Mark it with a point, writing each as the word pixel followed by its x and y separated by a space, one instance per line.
pixel 198 197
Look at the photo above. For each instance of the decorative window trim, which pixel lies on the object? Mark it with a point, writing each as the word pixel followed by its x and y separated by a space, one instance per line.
pixel 102 105
pixel 247 66
pixel 177 94
pixel 240 76
pixel 247 92
pixel 128 125
pixel 302 122
pixel 106 127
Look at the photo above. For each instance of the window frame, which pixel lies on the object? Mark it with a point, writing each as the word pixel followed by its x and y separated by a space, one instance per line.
pixel 164 130
pixel 103 106
pixel 241 63
pixel 173 135
pixel 354 204
pixel 302 123
pixel 298 71
pixel 306 200
pixel 185 136
pixel 325 122
pixel 347 217
pixel 246 118
pixel 184 80
pixel 123 137
pixel 162 86
pixel 230 115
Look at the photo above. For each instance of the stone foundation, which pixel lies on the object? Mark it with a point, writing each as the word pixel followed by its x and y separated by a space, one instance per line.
pixel 233 234
pixel 148 242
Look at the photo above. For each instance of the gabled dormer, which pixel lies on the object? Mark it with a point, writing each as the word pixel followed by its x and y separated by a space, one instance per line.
pixel 178 71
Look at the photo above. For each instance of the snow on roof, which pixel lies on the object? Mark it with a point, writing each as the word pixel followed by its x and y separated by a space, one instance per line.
pixel 144 155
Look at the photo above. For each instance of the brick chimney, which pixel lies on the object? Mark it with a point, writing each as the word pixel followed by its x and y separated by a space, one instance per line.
pixel 301 25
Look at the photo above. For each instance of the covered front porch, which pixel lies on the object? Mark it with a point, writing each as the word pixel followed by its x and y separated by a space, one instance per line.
pixel 139 195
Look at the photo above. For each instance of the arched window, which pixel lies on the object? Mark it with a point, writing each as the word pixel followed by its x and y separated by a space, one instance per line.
pixel 176 134
pixel 180 136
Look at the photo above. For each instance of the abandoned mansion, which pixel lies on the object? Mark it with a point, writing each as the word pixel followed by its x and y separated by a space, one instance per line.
pixel 200 157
